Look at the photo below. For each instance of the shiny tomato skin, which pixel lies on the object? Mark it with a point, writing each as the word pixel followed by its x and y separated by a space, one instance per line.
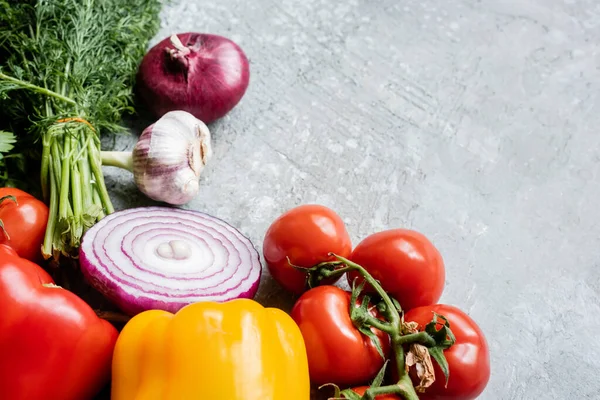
pixel 25 222
pixel 306 234
pixel 407 265
pixel 468 359
pixel 337 352
pixel 362 389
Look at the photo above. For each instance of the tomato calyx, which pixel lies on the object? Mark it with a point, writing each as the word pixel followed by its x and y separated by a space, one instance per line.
pixel 363 320
pixel 426 344
pixel 443 339
pixel 411 347
pixel 315 275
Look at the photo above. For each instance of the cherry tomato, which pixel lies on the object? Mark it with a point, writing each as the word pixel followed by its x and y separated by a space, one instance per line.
pixel 468 359
pixel 25 223
pixel 306 234
pixel 406 264
pixel 337 351
pixel 362 389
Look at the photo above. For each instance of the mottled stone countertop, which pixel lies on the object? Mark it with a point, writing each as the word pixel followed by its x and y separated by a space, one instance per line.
pixel 475 122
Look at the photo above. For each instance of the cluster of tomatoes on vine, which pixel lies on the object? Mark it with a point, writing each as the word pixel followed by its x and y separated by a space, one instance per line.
pixel 406 266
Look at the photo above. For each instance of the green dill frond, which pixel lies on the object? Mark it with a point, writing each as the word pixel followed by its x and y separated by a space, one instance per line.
pixel 86 50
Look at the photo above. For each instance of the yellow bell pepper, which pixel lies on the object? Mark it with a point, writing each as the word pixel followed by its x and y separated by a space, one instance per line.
pixel 237 350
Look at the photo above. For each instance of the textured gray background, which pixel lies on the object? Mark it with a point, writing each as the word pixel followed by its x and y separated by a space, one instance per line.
pixel 474 122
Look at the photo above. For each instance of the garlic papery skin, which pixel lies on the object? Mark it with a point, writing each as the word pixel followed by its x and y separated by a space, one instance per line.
pixel 169 157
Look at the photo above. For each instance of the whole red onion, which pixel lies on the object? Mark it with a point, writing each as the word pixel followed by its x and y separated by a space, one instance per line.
pixel 204 74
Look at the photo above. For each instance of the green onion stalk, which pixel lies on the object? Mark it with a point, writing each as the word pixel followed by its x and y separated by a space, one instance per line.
pixel 67 71
pixel 436 337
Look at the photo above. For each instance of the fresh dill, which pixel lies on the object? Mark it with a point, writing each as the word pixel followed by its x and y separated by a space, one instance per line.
pixel 67 71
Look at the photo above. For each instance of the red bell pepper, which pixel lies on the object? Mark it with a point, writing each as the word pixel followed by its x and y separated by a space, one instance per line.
pixel 52 344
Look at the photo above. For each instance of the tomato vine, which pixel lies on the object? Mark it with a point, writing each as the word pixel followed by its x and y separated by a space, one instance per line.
pixel 436 337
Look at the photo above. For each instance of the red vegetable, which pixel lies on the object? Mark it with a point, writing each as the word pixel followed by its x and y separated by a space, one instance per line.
pixel 52 344
pixel 468 359
pixel 405 262
pixel 166 258
pixel 306 234
pixel 24 219
pixel 337 351
pixel 203 74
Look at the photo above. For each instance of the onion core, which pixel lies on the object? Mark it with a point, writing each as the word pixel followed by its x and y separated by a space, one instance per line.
pixel 166 258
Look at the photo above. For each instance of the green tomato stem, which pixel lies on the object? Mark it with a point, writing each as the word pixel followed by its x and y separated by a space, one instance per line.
pixel 379 324
pixel 404 388
pixel 393 327
pixel 393 313
pixel 420 337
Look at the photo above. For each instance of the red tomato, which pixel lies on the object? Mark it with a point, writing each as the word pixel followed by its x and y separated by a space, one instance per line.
pixel 25 222
pixel 406 264
pixel 468 359
pixel 362 389
pixel 305 234
pixel 337 352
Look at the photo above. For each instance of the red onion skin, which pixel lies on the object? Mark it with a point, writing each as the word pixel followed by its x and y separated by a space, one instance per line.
pixel 208 82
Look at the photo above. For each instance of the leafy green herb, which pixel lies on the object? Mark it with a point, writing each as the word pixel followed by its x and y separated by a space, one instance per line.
pixel 67 71
pixel 7 141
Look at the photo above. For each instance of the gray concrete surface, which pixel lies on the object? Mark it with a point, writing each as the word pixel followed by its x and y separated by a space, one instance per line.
pixel 474 122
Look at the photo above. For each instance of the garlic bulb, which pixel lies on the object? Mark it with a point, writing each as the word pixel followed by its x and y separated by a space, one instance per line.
pixel 168 158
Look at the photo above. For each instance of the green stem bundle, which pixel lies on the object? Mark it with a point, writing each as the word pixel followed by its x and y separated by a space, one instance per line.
pixel 67 70
pixel 66 170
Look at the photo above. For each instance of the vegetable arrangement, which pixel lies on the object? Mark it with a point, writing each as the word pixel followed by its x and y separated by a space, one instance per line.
pixel 166 258
pixel 52 342
pixel 237 350
pixel 67 76
pixel 185 281
pixel 391 315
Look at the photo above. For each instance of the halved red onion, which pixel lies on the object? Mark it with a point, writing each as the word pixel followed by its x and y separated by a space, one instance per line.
pixel 166 258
